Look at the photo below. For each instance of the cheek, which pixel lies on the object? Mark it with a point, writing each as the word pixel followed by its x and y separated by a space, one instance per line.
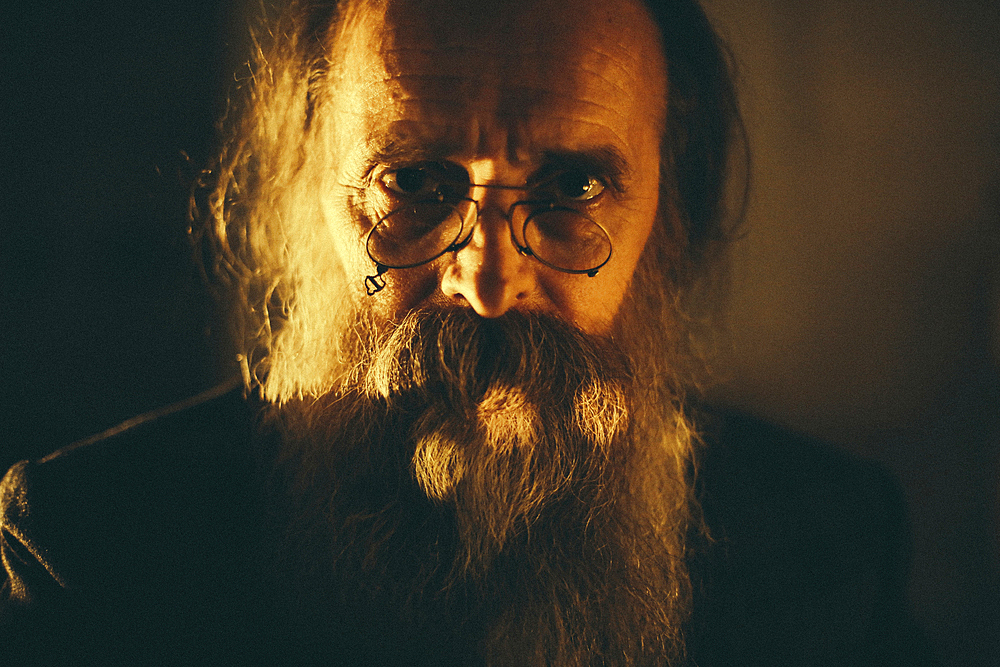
pixel 593 303
pixel 629 246
pixel 405 290
pixel 589 303
pixel 348 243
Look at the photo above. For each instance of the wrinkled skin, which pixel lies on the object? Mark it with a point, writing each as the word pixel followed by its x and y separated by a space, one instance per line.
pixel 507 95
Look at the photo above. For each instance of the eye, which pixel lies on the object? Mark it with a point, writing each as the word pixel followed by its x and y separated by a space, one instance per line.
pixel 411 181
pixel 576 185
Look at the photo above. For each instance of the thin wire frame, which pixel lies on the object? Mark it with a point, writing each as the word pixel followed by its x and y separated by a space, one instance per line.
pixel 454 243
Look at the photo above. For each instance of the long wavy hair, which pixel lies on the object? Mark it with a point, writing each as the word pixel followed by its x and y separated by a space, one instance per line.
pixel 258 214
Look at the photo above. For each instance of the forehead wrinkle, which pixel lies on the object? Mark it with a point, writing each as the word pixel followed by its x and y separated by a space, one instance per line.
pixel 620 66
pixel 436 135
pixel 454 82
pixel 509 108
pixel 540 96
pixel 619 82
pixel 522 133
pixel 416 80
pixel 435 49
pixel 536 60
pixel 456 61
pixel 603 128
pixel 515 101
pixel 387 144
pixel 518 55
pixel 512 95
pixel 532 96
pixel 431 138
pixel 443 27
pixel 454 28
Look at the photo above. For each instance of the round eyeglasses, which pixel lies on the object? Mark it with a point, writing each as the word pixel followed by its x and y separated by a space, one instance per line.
pixel 559 237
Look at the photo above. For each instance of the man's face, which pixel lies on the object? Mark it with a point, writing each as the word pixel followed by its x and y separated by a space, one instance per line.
pixel 517 95
pixel 494 479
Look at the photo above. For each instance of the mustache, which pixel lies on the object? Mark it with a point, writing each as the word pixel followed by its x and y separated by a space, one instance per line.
pixel 458 356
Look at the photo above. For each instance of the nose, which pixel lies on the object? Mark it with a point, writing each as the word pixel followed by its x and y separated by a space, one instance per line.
pixel 489 274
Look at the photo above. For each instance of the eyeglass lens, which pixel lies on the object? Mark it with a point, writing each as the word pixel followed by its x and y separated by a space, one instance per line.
pixel 418 233
pixel 561 238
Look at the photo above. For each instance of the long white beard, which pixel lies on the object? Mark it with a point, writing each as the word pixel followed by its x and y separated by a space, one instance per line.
pixel 493 484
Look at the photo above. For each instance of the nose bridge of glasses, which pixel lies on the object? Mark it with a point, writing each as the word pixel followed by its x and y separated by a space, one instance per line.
pixel 500 199
pixel 503 197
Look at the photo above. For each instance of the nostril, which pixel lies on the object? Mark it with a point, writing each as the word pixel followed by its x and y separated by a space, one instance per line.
pixel 489 275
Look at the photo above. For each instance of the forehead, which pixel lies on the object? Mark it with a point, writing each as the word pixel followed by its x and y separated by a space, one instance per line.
pixel 518 76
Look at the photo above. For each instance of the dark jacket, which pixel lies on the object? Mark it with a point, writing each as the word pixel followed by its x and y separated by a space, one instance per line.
pixel 146 545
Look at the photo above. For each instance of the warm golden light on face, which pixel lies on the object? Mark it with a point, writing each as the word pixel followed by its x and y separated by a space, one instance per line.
pixel 505 94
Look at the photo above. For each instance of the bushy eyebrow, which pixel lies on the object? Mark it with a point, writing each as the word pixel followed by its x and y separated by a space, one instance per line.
pixel 606 162
pixel 398 152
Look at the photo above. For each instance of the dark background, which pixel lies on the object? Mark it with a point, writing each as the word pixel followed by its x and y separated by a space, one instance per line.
pixel 103 313
pixel 864 305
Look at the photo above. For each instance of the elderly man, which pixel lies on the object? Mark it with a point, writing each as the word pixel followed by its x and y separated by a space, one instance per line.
pixel 467 245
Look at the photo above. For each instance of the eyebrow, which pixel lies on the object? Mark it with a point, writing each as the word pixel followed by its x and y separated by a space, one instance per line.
pixel 606 162
pixel 395 151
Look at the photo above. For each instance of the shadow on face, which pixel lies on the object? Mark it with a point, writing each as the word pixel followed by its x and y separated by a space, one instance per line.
pixel 434 100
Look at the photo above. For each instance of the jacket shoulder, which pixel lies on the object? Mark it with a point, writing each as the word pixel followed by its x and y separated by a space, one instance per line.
pixel 816 489
pixel 137 546
pixel 90 509
pixel 810 550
